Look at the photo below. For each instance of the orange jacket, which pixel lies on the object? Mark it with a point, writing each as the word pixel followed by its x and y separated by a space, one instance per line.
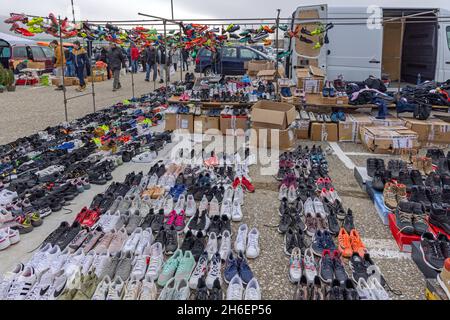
pixel 60 57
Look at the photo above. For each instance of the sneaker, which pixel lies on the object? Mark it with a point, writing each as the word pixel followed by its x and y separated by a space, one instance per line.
pixel 236 215
pixel 345 245
pixel 171 241
pixel 348 224
pixel 231 268
pixel 326 269
pixel 390 196
pixel 245 272
pixel 225 245
pixel 140 264
pixel 235 289
pixel 22 284
pixel 191 206
pixel 359 269
pixel 302 290
pixel 240 244
pixel 357 244
pixel 202 290
pixel 102 289
pixel 317 291
pixel 199 271
pixel 212 246
pixel 253 291
pixel 404 217
pixel 185 267
pixel 214 272
pixel 156 262
pixel 7 280
pixel 182 291
pixel 340 273
pixel 168 292
pixel 253 248
pixel 432 252
pixel 364 291
pixel 444 278
pixel 295 266
pixel 148 289
pixel 310 266
pixel 170 268
pixel 377 289
pixel 132 290
pixel 124 266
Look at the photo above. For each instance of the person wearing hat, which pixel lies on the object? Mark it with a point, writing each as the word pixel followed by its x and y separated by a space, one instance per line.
pixel 80 61
pixel 116 61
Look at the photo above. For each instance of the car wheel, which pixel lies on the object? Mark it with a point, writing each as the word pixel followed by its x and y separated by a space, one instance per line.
pixel 208 71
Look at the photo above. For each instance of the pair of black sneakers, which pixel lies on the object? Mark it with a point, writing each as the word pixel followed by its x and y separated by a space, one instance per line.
pixel 216 294
pixel 373 165
pixel 411 218
pixel 168 239
pixel 194 243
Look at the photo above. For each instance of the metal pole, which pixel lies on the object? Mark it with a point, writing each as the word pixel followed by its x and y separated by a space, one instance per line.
pixel 62 68
pixel 132 75
pixel 165 53
pixel 402 34
pixel 171 6
pixel 91 45
pixel 180 57
pixel 276 51
pixel 73 12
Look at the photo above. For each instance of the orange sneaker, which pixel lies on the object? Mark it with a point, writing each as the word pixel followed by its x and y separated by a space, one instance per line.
pixel 357 244
pixel 345 246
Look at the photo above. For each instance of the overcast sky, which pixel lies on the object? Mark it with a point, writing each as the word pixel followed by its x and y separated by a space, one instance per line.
pixel 128 9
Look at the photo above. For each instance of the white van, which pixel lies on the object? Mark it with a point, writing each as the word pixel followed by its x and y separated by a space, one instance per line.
pixel 359 47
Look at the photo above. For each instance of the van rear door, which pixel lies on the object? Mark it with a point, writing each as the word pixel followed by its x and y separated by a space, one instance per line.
pixel 443 73
pixel 355 45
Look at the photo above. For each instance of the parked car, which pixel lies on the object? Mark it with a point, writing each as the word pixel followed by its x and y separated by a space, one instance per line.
pixel 5 53
pixel 33 53
pixel 231 60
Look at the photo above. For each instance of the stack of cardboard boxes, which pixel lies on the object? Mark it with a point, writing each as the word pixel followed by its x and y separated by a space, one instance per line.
pixel 272 120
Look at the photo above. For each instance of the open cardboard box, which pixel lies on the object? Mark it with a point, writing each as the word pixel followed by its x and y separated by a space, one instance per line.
pixel 273 115
pixel 255 66
pixel 310 79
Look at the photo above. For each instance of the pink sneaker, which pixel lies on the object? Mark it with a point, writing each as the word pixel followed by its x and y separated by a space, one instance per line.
pixel 172 218
pixel 179 221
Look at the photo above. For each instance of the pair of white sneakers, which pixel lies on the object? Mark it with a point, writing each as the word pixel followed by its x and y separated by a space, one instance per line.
pixel 247 242
pixel 8 237
pixel 236 290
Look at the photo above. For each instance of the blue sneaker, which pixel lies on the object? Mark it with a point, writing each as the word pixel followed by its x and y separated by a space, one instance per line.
pixel 318 243
pixel 335 117
pixel 328 243
pixel 342 117
pixel 245 272
pixel 231 268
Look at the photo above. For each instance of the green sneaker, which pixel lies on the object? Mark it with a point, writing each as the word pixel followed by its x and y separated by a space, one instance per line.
pixel 187 265
pixel 36 220
pixel 170 267
pixel 89 283
pixel 72 286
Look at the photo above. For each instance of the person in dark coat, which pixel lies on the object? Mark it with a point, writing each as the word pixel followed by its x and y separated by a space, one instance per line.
pixel 117 62
pixel 151 63
pixel 104 58
pixel 81 63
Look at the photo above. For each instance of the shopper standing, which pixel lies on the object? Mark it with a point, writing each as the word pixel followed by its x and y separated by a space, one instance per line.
pixel 60 62
pixel 185 57
pixel 143 58
pixel 162 60
pixel 116 61
pixel 104 59
pixel 134 52
pixel 80 62
pixel 151 62
pixel 70 68
pixel 176 58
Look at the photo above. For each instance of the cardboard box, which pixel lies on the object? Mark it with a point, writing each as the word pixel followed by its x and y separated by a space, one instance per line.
pixel 273 115
pixel 324 132
pixel 254 66
pixel 263 137
pixel 431 130
pixel 302 129
pixel 310 79
pixel 347 130
pixel 97 78
pixel 390 121
pixel 231 125
pixel 361 120
pixel 36 65
pixel 389 140
pixel 204 123
pixel 179 121
pixel 68 81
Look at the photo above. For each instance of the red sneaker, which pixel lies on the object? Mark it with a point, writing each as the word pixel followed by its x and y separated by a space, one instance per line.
pixel 248 185
pixel 91 219
pixel 236 182
pixel 82 215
